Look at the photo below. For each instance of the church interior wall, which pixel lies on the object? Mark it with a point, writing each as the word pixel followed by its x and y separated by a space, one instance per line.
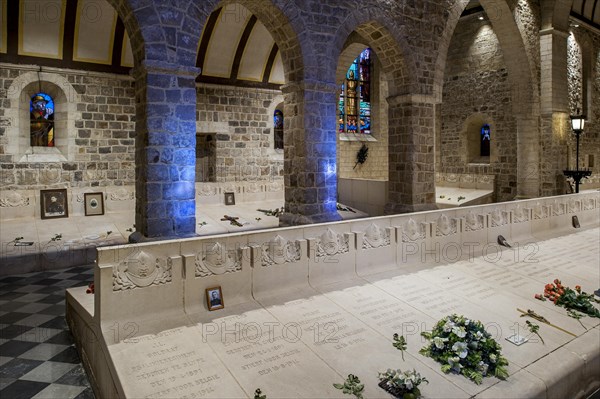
pixel 476 83
pixel 103 123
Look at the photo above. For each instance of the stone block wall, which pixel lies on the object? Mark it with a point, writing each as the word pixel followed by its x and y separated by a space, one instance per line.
pixel 476 83
pixel 242 119
pixel 584 47
pixel 104 134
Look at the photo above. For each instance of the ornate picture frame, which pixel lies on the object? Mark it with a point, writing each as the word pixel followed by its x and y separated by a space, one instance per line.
pixel 214 298
pixel 229 198
pixel 94 204
pixel 54 203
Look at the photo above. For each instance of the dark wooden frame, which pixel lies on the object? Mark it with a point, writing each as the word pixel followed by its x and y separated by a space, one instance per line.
pixel 229 198
pixel 216 307
pixel 88 197
pixel 46 195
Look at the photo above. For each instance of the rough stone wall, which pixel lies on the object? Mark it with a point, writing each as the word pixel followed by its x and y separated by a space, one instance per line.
pixel 244 151
pixel 105 136
pixel 476 82
pixel 585 46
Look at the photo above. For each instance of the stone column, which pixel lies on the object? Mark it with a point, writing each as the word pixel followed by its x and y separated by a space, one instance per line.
pixel 411 186
pixel 310 153
pixel 165 149
pixel 554 98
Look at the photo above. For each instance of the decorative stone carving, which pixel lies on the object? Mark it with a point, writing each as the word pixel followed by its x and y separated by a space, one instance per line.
pixel 451 178
pixel 588 204
pixel 330 244
pixel 467 178
pixel 413 231
pixel 558 208
pixel 122 194
pixel 574 206
pixel 275 186
pixel 13 199
pixel 253 188
pixel 218 260
pixel 485 179
pixel 498 218
pixel 376 237
pixel 231 188
pixel 279 251
pixel 540 211
pixel 207 190
pixel 520 215
pixel 473 222
pixel 141 271
pixel 445 226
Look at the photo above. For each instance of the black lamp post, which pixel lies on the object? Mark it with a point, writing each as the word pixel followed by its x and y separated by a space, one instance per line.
pixel 577 123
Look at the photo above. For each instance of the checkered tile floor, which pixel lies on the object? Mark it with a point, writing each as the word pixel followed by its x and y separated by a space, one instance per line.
pixel 37 356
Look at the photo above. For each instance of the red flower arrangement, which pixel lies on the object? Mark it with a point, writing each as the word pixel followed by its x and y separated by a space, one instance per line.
pixel 90 288
pixel 569 299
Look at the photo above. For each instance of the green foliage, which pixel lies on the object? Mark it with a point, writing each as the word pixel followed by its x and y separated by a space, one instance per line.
pixel 534 329
pixel 400 343
pixel 258 394
pixel 463 346
pixel 402 383
pixel 362 155
pixel 351 386
pixel 56 237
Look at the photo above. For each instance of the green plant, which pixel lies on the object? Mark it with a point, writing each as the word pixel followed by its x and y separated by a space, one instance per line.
pixel 351 386
pixel 258 394
pixel 362 155
pixel 402 384
pixel 464 346
pixel 572 300
pixel 534 329
pixel 56 237
pixel 400 343
pixel 460 198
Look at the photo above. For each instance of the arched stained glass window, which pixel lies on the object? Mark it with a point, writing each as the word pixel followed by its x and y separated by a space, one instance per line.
pixel 354 106
pixel 484 146
pixel 278 129
pixel 41 128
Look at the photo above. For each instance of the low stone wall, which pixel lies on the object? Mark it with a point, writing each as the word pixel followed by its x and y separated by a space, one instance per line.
pixel 159 288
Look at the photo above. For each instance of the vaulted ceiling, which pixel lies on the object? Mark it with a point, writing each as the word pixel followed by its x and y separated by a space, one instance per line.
pixel 235 47
pixel 588 11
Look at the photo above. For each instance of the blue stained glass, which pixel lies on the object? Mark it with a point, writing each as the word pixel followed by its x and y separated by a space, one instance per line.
pixel 278 119
pixel 41 111
pixel 354 106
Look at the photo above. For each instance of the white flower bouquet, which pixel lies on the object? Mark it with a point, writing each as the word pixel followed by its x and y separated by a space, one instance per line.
pixel 463 346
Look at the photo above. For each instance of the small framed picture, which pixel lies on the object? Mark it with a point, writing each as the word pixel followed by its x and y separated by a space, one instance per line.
pixel 94 204
pixel 54 203
pixel 229 198
pixel 214 298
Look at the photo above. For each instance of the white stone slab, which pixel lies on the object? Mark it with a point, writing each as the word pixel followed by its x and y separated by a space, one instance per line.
pixel 172 363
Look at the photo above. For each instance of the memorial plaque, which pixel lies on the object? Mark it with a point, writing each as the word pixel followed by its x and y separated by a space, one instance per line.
pixel 173 363
pixel 263 352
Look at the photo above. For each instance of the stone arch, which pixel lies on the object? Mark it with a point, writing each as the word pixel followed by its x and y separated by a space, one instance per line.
pixel 391 48
pixel 65 102
pixel 555 14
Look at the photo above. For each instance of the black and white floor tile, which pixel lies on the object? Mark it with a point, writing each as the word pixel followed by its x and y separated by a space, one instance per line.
pixel 38 358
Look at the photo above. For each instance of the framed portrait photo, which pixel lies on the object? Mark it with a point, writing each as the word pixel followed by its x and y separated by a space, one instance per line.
pixel 229 198
pixel 214 298
pixel 54 203
pixel 94 204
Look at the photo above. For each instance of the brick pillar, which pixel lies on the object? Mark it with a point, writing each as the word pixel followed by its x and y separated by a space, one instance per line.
pixel 554 98
pixel 310 170
pixel 411 185
pixel 165 150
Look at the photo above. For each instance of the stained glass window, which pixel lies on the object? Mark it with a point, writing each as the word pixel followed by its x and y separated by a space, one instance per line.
pixel 354 104
pixel 484 148
pixel 278 129
pixel 41 111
